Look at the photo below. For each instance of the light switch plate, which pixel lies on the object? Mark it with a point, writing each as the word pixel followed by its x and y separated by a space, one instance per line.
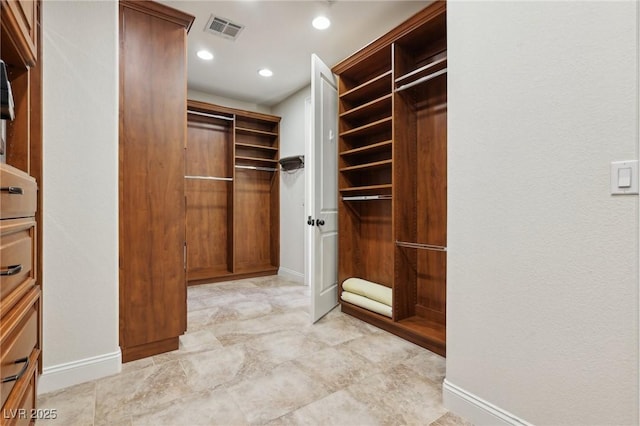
pixel 619 177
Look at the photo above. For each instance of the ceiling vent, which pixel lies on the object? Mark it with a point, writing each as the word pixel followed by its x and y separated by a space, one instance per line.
pixel 223 27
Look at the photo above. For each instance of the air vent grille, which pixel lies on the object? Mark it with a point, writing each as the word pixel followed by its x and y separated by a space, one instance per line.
pixel 223 27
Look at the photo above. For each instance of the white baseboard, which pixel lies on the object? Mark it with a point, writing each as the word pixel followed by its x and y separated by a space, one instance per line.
pixel 291 274
pixel 475 409
pixel 80 371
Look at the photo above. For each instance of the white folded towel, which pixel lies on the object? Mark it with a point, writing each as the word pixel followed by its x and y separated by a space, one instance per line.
pixel 370 290
pixel 366 303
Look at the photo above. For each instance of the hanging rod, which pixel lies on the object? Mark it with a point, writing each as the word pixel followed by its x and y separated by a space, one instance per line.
pixel 262 169
pixel 221 117
pixel 422 80
pixel 366 197
pixel 420 246
pixel 228 179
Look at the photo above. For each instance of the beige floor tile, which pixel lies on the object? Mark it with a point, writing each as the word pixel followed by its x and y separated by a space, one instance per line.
pixel 385 349
pixel 207 370
pixel 337 409
pixel 337 367
pixel 335 330
pixel 203 408
pixel 73 406
pixel 397 396
pixel 233 332
pixel 450 419
pixel 131 366
pixel 191 342
pixel 140 391
pixel 112 421
pixel 428 365
pixel 283 389
pixel 285 345
pixel 251 356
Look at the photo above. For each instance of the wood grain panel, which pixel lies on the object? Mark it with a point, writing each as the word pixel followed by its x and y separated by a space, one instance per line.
pixel 252 220
pixel 209 153
pixel 152 205
pixel 207 228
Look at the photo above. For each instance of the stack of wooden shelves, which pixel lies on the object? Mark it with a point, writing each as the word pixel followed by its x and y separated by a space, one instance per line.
pixel 233 217
pixel 393 171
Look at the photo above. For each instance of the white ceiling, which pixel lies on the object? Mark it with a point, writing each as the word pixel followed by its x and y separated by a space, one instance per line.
pixel 278 35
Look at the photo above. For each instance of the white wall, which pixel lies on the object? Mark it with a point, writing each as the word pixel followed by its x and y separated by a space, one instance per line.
pixel 80 248
pixel 292 219
pixel 543 262
pixel 197 95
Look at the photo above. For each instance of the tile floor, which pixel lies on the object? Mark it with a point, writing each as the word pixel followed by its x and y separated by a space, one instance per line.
pixel 251 357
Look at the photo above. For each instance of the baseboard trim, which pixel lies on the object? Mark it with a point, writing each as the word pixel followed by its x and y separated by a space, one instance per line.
pixel 475 409
pixel 291 274
pixel 80 371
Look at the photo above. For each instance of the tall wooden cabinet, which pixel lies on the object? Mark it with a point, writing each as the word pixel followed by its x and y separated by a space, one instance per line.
pixel 153 114
pixel 20 214
pixel 232 193
pixel 393 175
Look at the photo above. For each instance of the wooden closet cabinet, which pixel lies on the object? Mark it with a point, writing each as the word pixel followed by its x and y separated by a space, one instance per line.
pixel 393 175
pixel 153 120
pixel 21 214
pixel 232 193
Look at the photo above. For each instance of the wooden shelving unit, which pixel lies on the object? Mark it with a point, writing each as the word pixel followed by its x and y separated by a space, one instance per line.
pixel 392 175
pixel 238 219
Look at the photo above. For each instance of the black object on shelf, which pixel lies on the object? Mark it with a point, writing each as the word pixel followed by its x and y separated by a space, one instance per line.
pixel 292 163
pixel 6 98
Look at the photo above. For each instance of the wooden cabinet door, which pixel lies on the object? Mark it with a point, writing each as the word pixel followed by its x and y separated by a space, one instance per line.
pixel 19 19
pixel 152 204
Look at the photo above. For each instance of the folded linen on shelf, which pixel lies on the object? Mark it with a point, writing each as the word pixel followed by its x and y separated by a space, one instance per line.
pixel 373 291
pixel 366 303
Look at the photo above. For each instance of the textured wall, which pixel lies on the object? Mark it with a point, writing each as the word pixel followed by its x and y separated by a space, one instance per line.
pixel 543 261
pixel 292 219
pixel 80 66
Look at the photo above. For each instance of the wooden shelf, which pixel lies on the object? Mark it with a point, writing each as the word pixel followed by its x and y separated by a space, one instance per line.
pixel 369 188
pixel 247 131
pixel 367 166
pixel 262 160
pixel 369 149
pixel 376 106
pixel 380 85
pixel 367 129
pixel 255 146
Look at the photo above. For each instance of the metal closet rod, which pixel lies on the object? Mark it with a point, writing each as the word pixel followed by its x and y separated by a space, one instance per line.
pixel 204 114
pixel 263 169
pixel 366 197
pixel 420 246
pixel 228 179
pixel 422 80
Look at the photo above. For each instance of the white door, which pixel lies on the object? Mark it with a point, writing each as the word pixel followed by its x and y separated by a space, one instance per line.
pixel 322 191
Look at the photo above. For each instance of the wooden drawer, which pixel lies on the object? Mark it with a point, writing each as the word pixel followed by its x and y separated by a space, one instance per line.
pixel 20 18
pixel 19 338
pixel 17 266
pixel 19 409
pixel 18 192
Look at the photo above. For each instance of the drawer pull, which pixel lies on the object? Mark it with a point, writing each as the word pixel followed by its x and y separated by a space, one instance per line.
pixel 11 270
pixel 16 377
pixel 16 190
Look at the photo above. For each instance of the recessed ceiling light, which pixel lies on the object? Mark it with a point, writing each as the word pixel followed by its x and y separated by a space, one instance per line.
pixel 265 72
pixel 321 23
pixel 205 54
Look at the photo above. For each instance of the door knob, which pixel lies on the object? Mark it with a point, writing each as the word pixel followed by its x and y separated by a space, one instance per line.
pixel 310 221
pixel 320 222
